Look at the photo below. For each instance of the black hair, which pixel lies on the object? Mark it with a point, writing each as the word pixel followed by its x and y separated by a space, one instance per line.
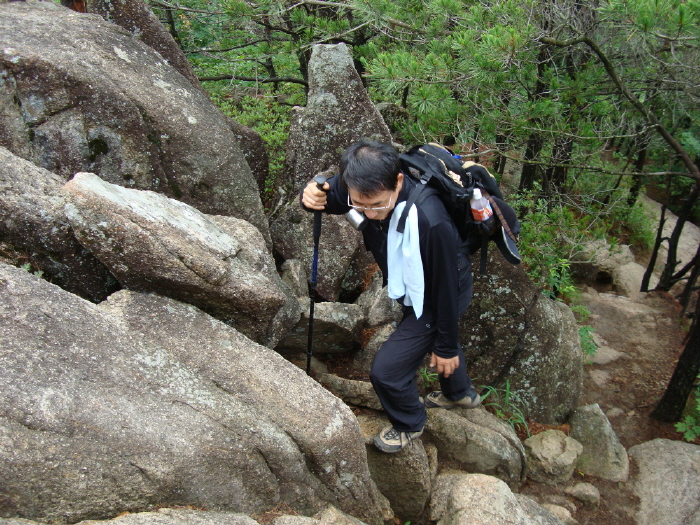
pixel 369 167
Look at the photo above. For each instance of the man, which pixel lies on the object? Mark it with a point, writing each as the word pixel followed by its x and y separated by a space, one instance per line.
pixel 370 181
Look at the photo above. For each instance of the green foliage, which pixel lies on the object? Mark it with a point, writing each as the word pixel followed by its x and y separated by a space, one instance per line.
pixel 268 118
pixel 588 346
pixel 690 425
pixel 27 267
pixel 550 234
pixel 502 404
pixel 428 377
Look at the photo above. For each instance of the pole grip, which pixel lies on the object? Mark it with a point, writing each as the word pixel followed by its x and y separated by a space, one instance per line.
pixel 320 180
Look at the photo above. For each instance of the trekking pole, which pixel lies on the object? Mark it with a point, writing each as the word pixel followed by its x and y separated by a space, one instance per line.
pixel 320 180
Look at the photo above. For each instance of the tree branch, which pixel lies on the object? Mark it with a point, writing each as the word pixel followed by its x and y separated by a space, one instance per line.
pixel 693 171
pixel 205 50
pixel 321 3
pixel 254 79
pixel 166 5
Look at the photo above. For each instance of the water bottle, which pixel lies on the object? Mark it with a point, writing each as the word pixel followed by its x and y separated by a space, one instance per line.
pixel 481 209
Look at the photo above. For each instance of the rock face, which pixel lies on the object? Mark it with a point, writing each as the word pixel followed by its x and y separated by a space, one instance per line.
pixel 143 401
pixel 336 330
pixel 172 517
pixel 603 455
pixel 32 220
pixel 136 17
pixel 109 104
pixel 478 442
pixel 338 113
pixel 512 332
pixel 155 244
pixel 667 482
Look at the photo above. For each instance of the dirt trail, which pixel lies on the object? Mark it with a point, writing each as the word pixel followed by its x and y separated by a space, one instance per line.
pixel 639 339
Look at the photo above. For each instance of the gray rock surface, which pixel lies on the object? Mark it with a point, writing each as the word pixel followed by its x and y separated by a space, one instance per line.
pixel 403 477
pixel 537 513
pixel 478 499
pixel 551 456
pixel 109 104
pixel 478 442
pixel 512 332
pixel 380 309
pixel 597 261
pixel 561 513
pixel 165 516
pixel 294 275
pixel 338 113
pixel 32 222
pixel 586 493
pixel 152 243
pixel 667 482
pixel 603 455
pixel 144 401
pixel 363 359
pixel 358 393
pixel 336 329
pixel 136 17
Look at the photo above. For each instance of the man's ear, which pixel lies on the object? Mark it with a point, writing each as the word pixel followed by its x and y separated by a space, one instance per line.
pixel 399 181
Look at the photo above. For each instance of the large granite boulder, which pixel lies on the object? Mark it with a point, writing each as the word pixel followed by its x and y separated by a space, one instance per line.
pixel 136 17
pixel 109 104
pixel 477 499
pixel 477 441
pixel 155 244
pixel 177 516
pixel 667 482
pixel 338 113
pixel 511 332
pixel 32 222
pixel 145 402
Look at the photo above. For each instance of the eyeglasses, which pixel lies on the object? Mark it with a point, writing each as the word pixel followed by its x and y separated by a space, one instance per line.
pixel 365 208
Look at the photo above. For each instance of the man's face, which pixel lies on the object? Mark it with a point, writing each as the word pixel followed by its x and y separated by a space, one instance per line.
pixel 378 206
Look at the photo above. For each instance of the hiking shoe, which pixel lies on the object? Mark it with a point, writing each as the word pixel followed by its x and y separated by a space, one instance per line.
pixel 392 440
pixel 437 400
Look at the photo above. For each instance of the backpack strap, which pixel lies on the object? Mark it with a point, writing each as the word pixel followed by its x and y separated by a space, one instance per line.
pixel 484 250
pixel 416 192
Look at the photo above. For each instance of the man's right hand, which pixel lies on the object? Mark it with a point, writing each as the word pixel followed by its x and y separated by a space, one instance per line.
pixel 313 197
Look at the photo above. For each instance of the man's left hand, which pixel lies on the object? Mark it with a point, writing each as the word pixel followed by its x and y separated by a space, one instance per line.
pixel 444 366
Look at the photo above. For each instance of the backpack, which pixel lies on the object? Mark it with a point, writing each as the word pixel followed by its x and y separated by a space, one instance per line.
pixel 440 172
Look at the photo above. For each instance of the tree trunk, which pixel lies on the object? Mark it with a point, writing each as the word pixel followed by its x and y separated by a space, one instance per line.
pixel 673 402
pixel 654 252
pixel 530 171
pixel 668 276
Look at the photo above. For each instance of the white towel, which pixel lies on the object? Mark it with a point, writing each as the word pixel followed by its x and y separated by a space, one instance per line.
pixel 404 262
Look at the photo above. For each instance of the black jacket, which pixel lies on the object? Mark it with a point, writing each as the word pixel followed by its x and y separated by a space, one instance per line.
pixel 446 265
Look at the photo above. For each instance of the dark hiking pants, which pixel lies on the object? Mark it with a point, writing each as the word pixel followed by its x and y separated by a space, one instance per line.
pixel 399 358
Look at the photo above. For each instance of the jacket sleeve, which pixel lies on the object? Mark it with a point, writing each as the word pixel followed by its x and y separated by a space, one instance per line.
pixel 337 203
pixel 441 245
